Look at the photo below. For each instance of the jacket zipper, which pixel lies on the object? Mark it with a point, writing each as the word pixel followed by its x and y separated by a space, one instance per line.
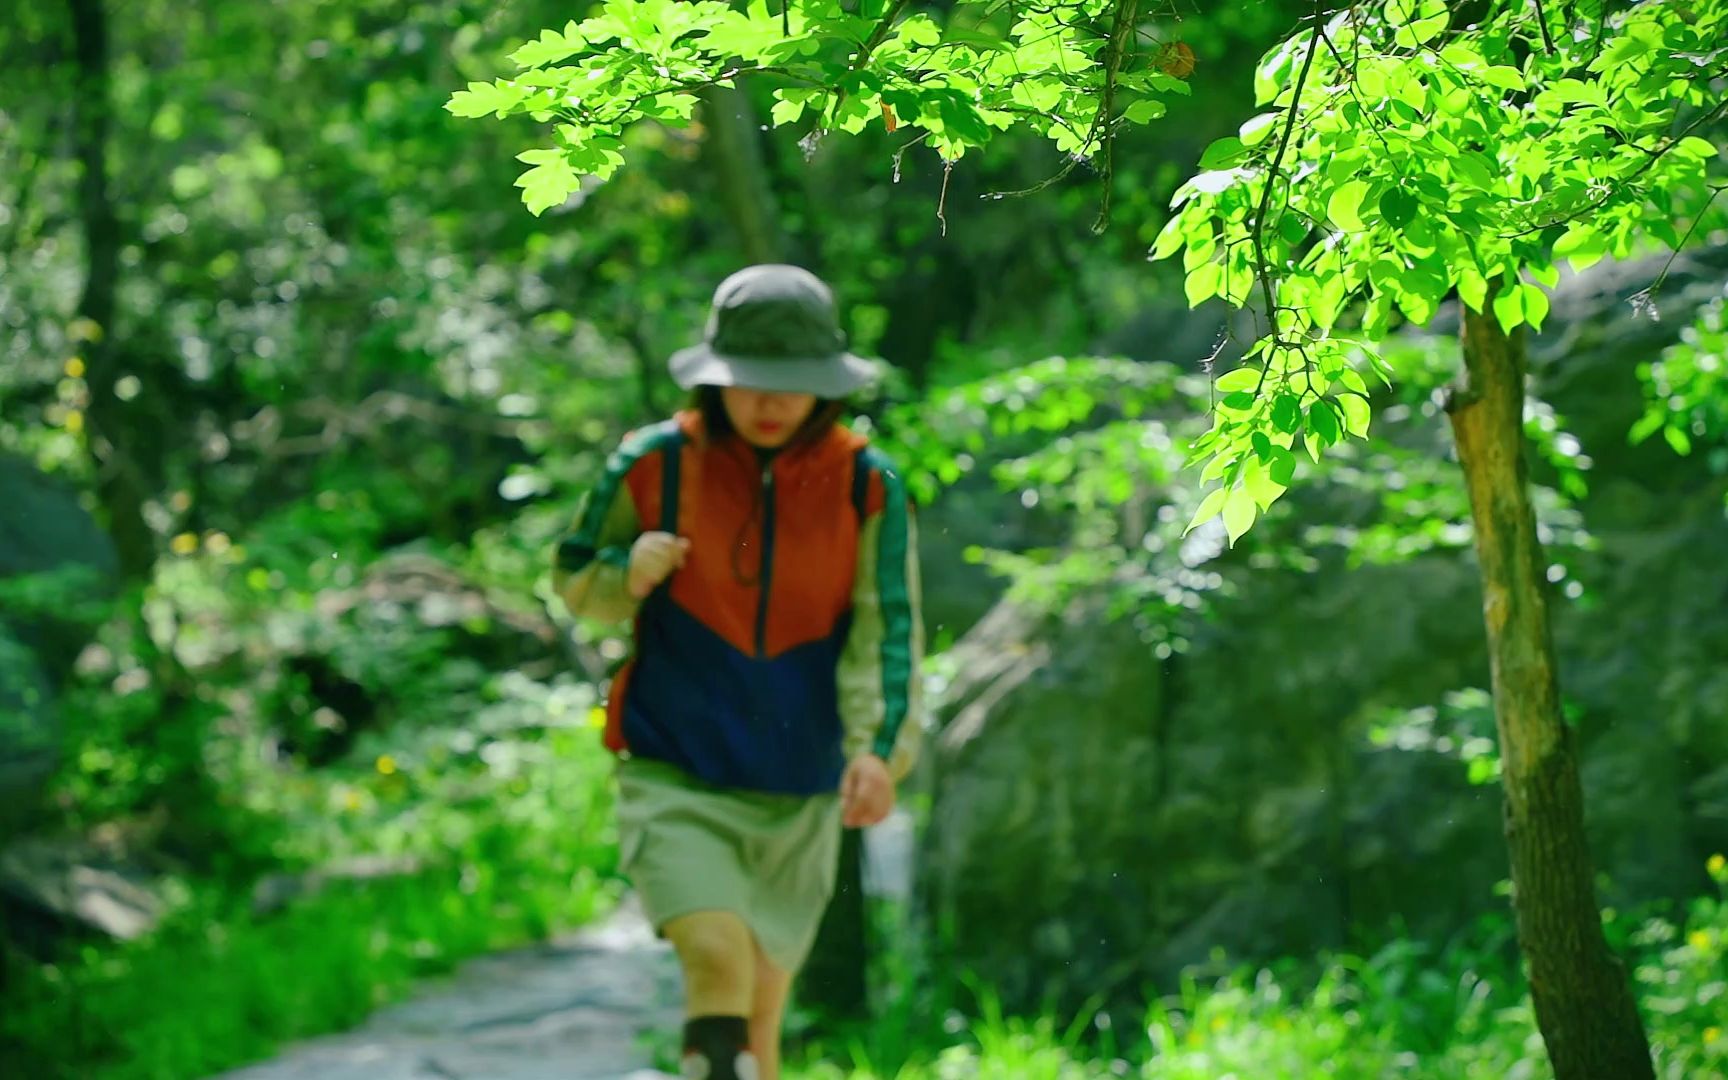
pixel 766 575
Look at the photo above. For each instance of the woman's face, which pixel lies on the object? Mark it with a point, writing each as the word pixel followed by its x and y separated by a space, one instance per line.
pixel 766 419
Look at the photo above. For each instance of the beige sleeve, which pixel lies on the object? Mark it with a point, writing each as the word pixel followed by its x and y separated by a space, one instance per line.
pixel 591 565
pixel 880 672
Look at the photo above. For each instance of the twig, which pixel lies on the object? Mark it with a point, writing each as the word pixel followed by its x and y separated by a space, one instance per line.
pixel 1542 21
pixel 942 200
pixel 1259 232
pixel 1662 278
pixel 880 34
pixel 1126 12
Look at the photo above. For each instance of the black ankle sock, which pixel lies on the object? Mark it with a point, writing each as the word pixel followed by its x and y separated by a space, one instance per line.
pixel 718 1042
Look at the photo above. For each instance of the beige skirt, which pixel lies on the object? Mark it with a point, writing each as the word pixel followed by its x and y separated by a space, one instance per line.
pixel 687 846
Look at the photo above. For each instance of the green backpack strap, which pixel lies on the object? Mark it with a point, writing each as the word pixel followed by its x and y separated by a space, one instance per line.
pixel 861 483
pixel 672 460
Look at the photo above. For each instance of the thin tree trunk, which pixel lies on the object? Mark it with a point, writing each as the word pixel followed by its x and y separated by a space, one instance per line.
pixel 119 485
pixel 1584 1003
pixel 836 978
pixel 734 148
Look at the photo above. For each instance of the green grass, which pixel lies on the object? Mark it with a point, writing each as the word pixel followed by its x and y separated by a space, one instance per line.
pixel 1406 1013
pixel 215 987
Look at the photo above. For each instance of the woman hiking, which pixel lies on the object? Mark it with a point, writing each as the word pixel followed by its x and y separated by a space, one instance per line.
pixel 767 556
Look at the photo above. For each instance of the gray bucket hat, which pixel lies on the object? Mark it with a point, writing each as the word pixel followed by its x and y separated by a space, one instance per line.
pixel 774 327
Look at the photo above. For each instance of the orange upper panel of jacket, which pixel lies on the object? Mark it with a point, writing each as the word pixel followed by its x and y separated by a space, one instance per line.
pixel 790 639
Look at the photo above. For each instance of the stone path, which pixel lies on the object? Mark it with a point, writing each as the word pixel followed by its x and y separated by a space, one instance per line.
pixel 582 1007
pixel 578 1008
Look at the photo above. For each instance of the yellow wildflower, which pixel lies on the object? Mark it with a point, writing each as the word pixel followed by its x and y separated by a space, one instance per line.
pixel 386 765
pixel 1716 865
pixel 75 368
pixel 1698 939
pixel 597 717
pixel 184 544
pixel 74 421
pixel 1711 1034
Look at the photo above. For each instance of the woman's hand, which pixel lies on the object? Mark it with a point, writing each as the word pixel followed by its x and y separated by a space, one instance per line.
pixel 866 792
pixel 653 558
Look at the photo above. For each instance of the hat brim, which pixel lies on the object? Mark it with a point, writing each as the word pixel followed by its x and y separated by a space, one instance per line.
pixel 824 376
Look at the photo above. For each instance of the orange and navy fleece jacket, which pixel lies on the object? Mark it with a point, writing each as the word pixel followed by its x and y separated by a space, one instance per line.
pixel 791 639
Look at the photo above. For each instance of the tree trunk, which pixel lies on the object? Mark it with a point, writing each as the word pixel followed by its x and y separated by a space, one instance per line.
pixel 119 482
pixel 734 148
pixel 835 980
pixel 1584 1003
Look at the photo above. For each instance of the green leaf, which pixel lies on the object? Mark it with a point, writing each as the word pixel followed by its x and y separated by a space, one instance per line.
pixel 1344 207
pixel 1242 378
pixel 1694 147
pixel 1472 287
pixel 1535 304
pixel 1509 307
pixel 1678 439
pixel 1474 169
pixel 1286 412
pixel 1506 78
pixel 547 185
pixel 1259 129
pixel 1398 207
pixel 1203 283
pixel 1209 508
pixel 1356 414
pixel 1649 424
pixel 1582 245
pixel 1145 110
pixel 1274 71
pixel 1258 481
pixel 1282 467
pixel 960 118
pixel 550 48
pixel 1213 182
pixel 1170 239
pixel 1417 23
pixel 978 38
pixel 481 99
pixel 1239 511
pixel 919 29
pixel 1222 153
pixel 1323 422
pixel 1325 302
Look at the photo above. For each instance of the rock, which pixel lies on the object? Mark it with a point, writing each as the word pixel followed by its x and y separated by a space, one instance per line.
pixel 46 534
pixel 1044 779
pixel 56 567
pixel 347 656
pixel 276 891
pixel 972 513
pixel 29 744
pixel 1101 820
pixel 79 884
